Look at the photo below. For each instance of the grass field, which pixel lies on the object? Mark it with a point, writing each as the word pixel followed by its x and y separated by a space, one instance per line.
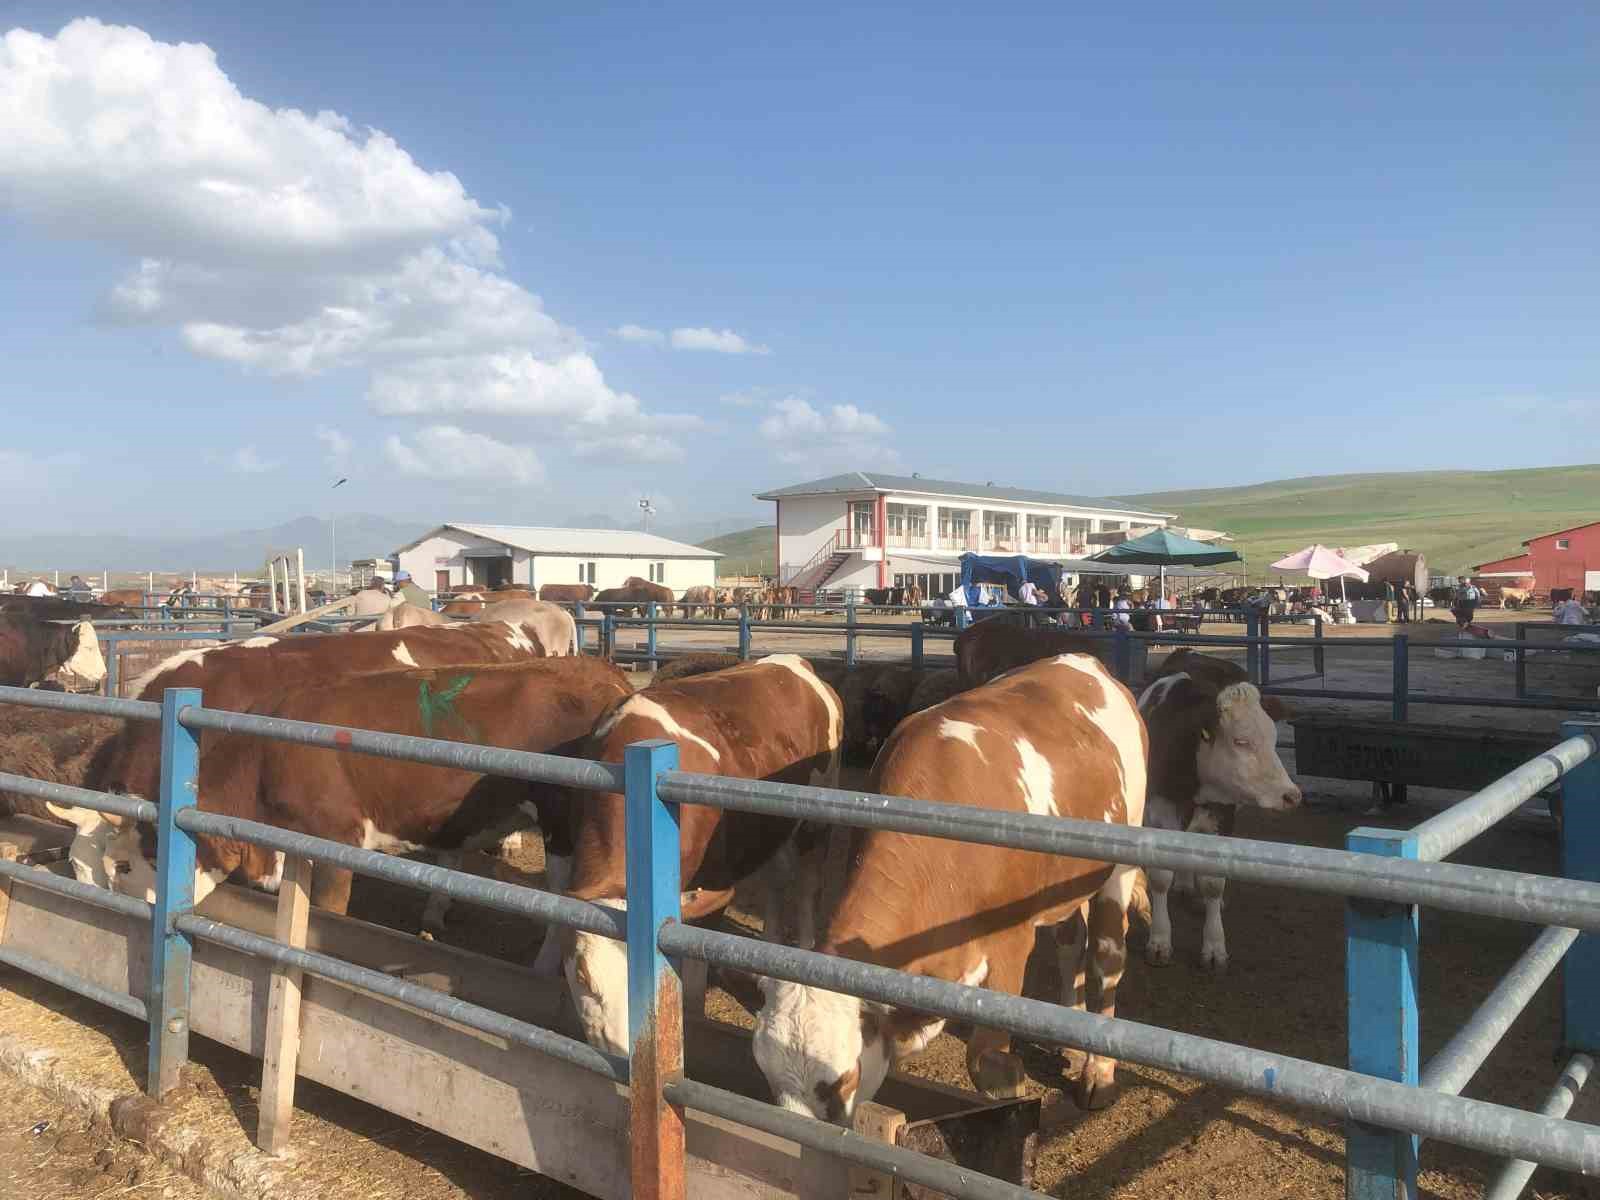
pixel 749 552
pixel 1455 518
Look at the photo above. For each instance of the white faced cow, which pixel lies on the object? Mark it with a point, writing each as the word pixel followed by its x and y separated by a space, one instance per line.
pixel 1213 749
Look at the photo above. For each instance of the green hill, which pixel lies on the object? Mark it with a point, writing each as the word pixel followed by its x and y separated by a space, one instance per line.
pixel 1454 518
pixel 749 552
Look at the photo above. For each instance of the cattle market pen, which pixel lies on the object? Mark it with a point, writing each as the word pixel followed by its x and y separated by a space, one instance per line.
pixel 557 1105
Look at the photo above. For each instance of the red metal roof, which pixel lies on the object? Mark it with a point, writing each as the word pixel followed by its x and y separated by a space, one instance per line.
pixel 1568 529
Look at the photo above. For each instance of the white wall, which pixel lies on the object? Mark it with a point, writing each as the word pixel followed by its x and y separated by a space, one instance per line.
pixel 445 552
pixel 613 571
pixel 804 524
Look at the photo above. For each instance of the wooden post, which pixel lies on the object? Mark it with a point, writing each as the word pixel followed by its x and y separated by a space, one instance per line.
pixel 655 992
pixel 170 950
pixel 650 635
pixel 282 1056
pixel 1381 998
pixel 300 575
pixel 8 853
pixel 881 1124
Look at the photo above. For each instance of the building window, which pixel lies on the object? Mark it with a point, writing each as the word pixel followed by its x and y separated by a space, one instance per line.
pixel 955 526
pixel 586 572
pixel 1563 543
pixel 1077 534
pixel 1039 531
pixel 1000 531
pixel 658 572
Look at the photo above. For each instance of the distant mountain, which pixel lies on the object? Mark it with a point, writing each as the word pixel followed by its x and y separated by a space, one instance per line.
pixel 360 535
pixel 748 552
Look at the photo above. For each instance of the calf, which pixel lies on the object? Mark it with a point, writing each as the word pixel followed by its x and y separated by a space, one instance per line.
pixel 993 646
pixel 1213 749
pixel 1059 737
pixel 238 674
pixel 772 719
pixel 567 593
pixel 542 705
pixel 31 649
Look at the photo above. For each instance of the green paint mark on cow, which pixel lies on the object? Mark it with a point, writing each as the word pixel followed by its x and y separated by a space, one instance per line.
pixel 437 708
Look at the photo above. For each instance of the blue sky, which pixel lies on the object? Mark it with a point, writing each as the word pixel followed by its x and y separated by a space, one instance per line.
pixel 1099 253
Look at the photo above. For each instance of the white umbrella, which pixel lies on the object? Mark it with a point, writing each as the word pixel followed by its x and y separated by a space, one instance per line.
pixel 1317 561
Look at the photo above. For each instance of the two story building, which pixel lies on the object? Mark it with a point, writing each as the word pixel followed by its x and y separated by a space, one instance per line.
pixel 876 530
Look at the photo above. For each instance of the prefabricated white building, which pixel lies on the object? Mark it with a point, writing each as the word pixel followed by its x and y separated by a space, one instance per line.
pixel 461 555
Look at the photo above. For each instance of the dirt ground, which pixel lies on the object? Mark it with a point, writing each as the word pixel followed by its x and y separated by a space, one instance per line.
pixel 1167 1136
pixel 48 1152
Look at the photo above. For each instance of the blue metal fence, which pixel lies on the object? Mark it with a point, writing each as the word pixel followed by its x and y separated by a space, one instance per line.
pixel 1387 1102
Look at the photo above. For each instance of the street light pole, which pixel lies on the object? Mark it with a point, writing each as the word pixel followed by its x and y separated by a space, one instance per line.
pixel 333 547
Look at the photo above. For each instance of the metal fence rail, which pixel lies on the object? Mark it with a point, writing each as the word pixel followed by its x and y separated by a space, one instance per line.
pixel 1383 873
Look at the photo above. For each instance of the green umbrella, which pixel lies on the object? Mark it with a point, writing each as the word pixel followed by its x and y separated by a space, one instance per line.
pixel 1163 548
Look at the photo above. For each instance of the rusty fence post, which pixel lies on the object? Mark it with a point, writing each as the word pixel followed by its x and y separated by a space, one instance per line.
pixel 655 990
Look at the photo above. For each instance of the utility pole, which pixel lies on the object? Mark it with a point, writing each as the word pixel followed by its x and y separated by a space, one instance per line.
pixel 333 548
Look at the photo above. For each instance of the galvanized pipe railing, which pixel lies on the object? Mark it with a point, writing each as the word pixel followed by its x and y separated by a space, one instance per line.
pixel 1453 1067
pixel 1476 1124
pixel 129 807
pixel 1442 835
pixel 100 706
pixel 546 907
pixel 130 1006
pixel 1514 1175
pixel 1537 899
pixel 48 881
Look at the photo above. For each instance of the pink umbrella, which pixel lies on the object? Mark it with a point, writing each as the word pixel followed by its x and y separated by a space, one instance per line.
pixel 1319 562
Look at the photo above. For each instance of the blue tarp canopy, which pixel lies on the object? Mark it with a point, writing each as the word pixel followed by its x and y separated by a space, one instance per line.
pixel 1009 571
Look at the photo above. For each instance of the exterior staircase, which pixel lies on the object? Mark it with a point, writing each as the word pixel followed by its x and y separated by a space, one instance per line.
pixel 823 565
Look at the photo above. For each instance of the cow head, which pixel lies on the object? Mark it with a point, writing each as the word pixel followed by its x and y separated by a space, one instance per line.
pixel 132 854
pixel 823 1053
pixel 1236 758
pixel 74 647
pixel 90 853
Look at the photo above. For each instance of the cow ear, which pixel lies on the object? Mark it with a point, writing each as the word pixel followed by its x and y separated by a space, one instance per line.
pixel 1205 734
pixel 1275 708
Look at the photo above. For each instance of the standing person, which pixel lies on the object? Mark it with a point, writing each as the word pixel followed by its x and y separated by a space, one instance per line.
pixel 1408 595
pixel 1122 607
pixel 1389 600
pixel 1028 593
pixel 1465 606
pixel 407 590
pixel 1570 612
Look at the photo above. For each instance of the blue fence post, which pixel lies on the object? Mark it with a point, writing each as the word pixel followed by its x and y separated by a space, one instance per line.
pixel 1522 660
pixel 170 949
pixel 1252 652
pixel 850 634
pixel 1580 859
pixel 650 634
pixel 744 633
pixel 1316 649
pixel 1381 999
pixel 916 645
pixel 608 635
pixel 1122 655
pixel 577 618
pixel 655 991
pixel 1266 649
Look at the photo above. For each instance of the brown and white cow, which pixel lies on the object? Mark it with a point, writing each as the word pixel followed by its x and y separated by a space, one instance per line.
pixel 994 645
pixel 31 649
pixel 541 705
pixel 1213 750
pixel 771 719
pixel 549 624
pixel 464 604
pixel 1059 737
pixel 238 674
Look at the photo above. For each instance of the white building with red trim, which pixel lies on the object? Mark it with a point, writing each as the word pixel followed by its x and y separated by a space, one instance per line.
pixel 876 530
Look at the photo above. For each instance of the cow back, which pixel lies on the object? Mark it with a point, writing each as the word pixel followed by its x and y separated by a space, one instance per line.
pixel 991 647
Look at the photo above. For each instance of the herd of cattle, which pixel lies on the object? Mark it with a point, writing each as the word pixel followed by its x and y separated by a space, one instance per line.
pixel 1029 721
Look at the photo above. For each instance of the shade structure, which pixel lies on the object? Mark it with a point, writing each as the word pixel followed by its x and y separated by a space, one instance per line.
pixel 1162 548
pixel 1317 561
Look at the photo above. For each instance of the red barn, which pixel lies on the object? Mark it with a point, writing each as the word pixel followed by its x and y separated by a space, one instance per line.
pixel 1566 559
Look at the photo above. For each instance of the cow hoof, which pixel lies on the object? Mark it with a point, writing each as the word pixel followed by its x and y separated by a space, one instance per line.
pixel 1214 962
pixel 1158 955
pixel 1093 1093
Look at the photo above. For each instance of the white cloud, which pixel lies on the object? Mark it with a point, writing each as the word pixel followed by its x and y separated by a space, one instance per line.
pixel 286 243
pixel 641 335
pixel 335 445
pixel 724 341
pixel 449 453
pixel 802 433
